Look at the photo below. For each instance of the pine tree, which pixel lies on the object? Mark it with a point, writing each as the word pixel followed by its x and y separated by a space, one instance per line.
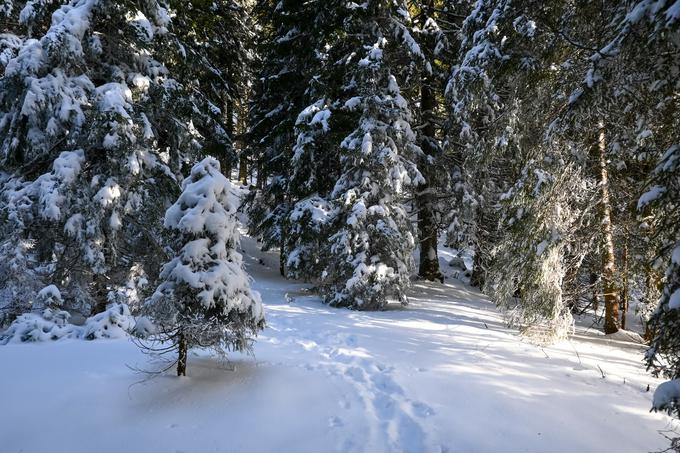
pixel 314 162
pixel 371 242
pixel 100 109
pixel 285 70
pixel 431 28
pixel 205 298
pixel 511 76
pixel 77 142
pixel 216 40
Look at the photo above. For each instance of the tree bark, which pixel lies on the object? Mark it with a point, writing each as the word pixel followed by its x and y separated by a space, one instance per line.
pixel 624 293
pixel 182 356
pixel 230 133
pixel 595 302
pixel 611 292
pixel 243 169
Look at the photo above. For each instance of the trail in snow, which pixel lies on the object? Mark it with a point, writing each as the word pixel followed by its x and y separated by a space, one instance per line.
pixel 442 375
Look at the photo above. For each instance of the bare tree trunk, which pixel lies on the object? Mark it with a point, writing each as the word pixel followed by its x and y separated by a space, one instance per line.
pixel 230 132
pixel 182 357
pixel 259 183
pixel 611 292
pixel 653 287
pixel 283 257
pixel 595 301
pixel 427 224
pixel 243 169
pixel 624 293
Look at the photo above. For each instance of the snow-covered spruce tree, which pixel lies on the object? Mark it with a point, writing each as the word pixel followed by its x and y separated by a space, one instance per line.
pixel 314 162
pixel 75 140
pixel 204 298
pixel 541 217
pixel 369 251
pixel 433 23
pixel 310 182
pixel 624 105
pixel 472 92
pixel 94 125
pixel 504 89
pixel 646 48
pixel 216 38
pixel 287 62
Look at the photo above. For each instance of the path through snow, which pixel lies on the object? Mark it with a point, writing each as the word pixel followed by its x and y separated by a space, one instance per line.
pixel 442 375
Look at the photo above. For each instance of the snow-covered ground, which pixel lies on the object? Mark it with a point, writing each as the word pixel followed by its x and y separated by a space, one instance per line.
pixel 442 375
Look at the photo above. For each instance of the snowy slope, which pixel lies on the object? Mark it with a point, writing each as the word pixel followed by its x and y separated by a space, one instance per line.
pixel 444 374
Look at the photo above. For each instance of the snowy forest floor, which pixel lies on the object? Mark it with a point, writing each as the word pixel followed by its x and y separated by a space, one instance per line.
pixel 441 375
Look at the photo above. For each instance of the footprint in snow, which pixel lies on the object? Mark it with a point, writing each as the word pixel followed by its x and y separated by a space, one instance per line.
pixel 355 373
pixel 421 409
pixel 411 435
pixel 384 406
pixel 351 340
pixel 386 384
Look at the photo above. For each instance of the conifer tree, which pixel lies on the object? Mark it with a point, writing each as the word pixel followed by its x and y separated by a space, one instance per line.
pixel 99 111
pixel 79 136
pixel 287 64
pixel 204 298
pixel 371 241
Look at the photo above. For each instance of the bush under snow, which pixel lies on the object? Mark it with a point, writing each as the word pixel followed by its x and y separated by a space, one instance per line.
pixel 52 325
pixel 667 397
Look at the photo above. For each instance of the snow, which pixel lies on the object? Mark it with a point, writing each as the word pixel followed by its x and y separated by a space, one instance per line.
pixel 49 187
pixel 109 193
pixel 674 300
pixel 651 195
pixel 353 102
pixel 115 322
pixel 626 335
pixel 50 293
pixel 321 117
pixel 673 13
pixel 367 144
pixel 667 395
pixel 540 248
pixel 443 374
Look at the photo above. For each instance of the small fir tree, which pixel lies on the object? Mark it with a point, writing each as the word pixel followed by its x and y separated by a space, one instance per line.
pixel 205 298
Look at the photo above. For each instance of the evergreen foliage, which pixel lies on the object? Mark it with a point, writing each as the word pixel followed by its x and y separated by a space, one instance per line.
pixel 204 298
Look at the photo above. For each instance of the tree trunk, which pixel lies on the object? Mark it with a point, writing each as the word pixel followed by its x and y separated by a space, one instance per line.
pixel 100 294
pixel 261 177
pixel 611 294
pixel 283 257
pixel 595 301
pixel 624 293
pixel 653 287
pixel 182 357
pixel 428 268
pixel 230 133
pixel 477 279
pixel 243 169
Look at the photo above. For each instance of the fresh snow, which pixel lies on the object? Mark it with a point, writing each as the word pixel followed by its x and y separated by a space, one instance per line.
pixel 674 300
pixel 667 395
pixel 443 374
